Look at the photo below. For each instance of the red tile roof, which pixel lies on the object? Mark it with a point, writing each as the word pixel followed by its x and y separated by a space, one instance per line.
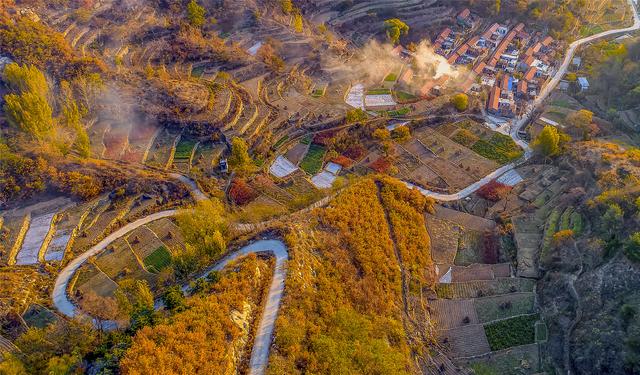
pixel 522 86
pixel 453 58
pixel 479 68
pixel 531 73
pixel 505 83
pixel 547 41
pixel 494 98
pixel 464 14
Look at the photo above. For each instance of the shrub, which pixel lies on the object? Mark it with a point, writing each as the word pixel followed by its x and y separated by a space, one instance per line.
pixel 241 193
pixel 460 101
pixel 494 191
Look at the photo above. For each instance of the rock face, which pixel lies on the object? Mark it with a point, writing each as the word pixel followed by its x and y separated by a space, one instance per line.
pixel 610 302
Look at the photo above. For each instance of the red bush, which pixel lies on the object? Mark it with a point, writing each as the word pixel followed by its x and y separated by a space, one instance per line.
pixel 355 152
pixel 241 193
pixel 342 160
pixel 380 165
pixel 494 191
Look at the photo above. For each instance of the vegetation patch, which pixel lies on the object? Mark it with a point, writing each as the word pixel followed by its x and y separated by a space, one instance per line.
pixel 500 307
pixel 500 148
pixel 312 161
pixel 404 96
pixel 399 112
pixel 184 149
pixel 159 259
pixel 379 91
pixel 391 77
pixel 511 332
pixel 280 142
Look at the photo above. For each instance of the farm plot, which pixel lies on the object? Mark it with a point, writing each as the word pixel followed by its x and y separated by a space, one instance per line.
pixel 34 239
pixel 107 215
pixel 511 332
pixel 296 153
pixel 521 360
pixel 302 190
pixel 116 140
pixel 169 233
pixel 312 161
pixel 453 313
pixel 470 248
pixel 68 223
pixel 10 233
pixel 443 251
pixel 158 260
pixel 480 272
pixel 143 241
pixel 464 219
pixel 500 148
pixel 206 156
pixel 39 316
pixel 469 163
pixel 183 154
pixel 504 306
pixel 140 138
pixel 261 209
pixel 266 186
pixel 90 279
pixel 118 261
pixel 162 148
pixel 480 288
pixel 466 341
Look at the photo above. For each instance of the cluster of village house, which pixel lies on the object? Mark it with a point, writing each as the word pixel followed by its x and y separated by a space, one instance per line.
pixel 510 62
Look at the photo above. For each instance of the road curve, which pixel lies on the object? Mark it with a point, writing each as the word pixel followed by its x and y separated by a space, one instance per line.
pixel 262 343
pixel 519 122
pixel 59 294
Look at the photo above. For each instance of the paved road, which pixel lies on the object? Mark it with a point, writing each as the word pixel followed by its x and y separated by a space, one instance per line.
pixel 519 122
pixel 59 294
pixel 198 195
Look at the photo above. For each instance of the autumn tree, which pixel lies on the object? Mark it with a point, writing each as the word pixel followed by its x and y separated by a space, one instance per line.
pixel 401 134
pixel 102 309
pixel 395 28
pixel 240 159
pixel 195 14
pixel 356 115
pixel 460 101
pixel 381 134
pixel 204 230
pixel 298 23
pixel 550 141
pixel 286 6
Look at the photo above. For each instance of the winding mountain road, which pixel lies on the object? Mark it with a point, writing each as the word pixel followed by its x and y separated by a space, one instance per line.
pixel 262 343
pixel 519 122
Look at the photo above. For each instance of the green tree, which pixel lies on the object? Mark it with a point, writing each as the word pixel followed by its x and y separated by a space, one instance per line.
pixel 460 101
pixel 395 28
pixel 173 299
pixel 133 295
pixel 26 78
pixel 195 14
pixel 240 159
pixel 632 248
pixel 613 218
pixel 29 112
